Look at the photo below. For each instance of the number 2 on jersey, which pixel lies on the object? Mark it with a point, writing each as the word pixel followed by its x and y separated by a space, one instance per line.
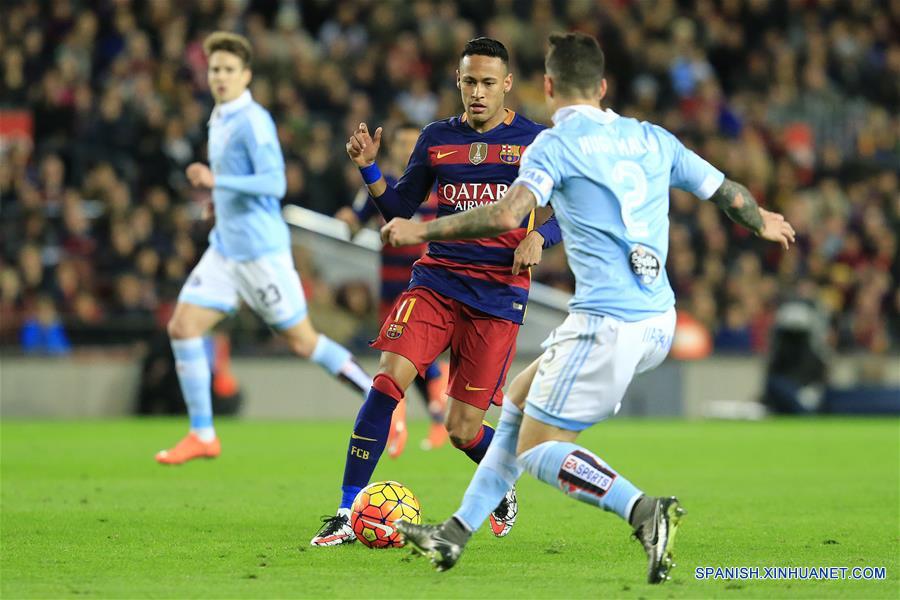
pixel 630 174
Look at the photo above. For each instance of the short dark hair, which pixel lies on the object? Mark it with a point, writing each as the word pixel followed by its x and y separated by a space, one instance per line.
pixel 401 126
pixel 229 42
pixel 485 46
pixel 575 62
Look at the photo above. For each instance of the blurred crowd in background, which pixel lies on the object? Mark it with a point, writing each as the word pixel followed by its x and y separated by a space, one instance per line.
pixel 798 99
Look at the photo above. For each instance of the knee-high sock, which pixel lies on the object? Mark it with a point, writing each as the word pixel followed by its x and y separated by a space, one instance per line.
pixel 581 474
pixel 194 377
pixel 338 361
pixel 370 433
pixel 496 473
pixel 479 444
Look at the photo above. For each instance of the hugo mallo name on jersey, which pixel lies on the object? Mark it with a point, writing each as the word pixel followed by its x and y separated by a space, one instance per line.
pixel 609 178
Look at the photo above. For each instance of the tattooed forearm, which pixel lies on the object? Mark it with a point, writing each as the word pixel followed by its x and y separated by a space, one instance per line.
pixel 485 221
pixel 738 203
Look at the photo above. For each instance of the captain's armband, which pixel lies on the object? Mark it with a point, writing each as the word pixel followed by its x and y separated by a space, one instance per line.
pixel 539 182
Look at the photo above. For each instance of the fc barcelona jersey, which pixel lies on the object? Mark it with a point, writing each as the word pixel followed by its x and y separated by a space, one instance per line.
pixel 468 169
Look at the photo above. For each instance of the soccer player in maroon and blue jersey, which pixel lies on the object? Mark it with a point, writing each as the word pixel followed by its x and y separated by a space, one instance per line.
pixel 396 271
pixel 469 296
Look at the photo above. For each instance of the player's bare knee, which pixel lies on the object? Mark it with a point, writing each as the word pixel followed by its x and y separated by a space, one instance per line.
pixel 518 391
pixel 524 446
pixel 462 433
pixel 400 372
pixel 301 349
pixel 179 329
pixel 302 346
pixel 460 442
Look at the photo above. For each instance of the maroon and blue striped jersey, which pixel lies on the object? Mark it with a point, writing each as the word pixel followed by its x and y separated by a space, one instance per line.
pixel 468 169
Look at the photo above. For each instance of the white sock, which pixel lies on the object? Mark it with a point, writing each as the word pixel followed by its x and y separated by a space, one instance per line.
pixel 194 377
pixel 206 434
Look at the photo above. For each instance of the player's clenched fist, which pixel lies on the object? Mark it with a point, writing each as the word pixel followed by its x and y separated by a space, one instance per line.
pixel 362 147
pixel 200 175
pixel 403 232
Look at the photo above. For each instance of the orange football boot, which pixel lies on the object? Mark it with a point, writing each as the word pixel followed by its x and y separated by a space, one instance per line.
pixel 189 448
pixel 396 441
pixel 437 437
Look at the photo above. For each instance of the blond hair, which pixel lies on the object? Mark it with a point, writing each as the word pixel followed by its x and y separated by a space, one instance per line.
pixel 231 43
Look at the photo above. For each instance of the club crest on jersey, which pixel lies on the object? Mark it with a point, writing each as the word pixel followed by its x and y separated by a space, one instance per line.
pixel 394 331
pixel 478 152
pixel 644 264
pixel 510 153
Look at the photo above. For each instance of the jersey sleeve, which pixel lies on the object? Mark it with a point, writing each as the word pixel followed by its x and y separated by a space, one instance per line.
pixel 261 142
pixel 550 231
pixel 540 169
pixel 690 172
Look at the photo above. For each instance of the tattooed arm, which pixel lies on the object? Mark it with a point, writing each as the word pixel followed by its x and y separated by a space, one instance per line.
pixel 485 221
pixel 738 203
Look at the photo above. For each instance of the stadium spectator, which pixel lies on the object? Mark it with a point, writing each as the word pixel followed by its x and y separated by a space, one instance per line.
pixel 801 100
pixel 42 332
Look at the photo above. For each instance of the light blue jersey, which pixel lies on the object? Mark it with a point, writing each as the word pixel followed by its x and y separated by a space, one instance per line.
pixel 248 166
pixel 608 180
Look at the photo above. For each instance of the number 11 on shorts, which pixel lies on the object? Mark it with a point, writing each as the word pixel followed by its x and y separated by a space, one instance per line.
pixel 412 303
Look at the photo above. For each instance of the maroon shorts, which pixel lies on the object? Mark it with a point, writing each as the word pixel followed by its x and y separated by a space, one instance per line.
pixel 423 324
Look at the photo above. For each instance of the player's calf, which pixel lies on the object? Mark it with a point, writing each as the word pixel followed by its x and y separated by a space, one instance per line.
pixel 468 431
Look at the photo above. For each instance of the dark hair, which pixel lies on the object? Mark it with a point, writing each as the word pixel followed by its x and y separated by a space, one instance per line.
pixel 575 62
pixel 401 126
pixel 229 42
pixel 406 125
pixel 485 46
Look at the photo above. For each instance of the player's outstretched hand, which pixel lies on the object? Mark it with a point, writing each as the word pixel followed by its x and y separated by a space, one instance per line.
pixel 776 229
pixel 528 253
pixel 362 147
pixel 200 175
pixel 403 232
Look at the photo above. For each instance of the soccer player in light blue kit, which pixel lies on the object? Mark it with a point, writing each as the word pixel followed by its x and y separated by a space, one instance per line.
pixel 249 256
pixel 608 179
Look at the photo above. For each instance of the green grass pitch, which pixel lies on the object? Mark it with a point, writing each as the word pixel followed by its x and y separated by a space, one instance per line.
pixel 86 512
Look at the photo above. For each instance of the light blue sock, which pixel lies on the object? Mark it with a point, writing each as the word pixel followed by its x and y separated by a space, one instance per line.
pixel 582 475
pixel 338 361
pixel 194 377
pixel 496 473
